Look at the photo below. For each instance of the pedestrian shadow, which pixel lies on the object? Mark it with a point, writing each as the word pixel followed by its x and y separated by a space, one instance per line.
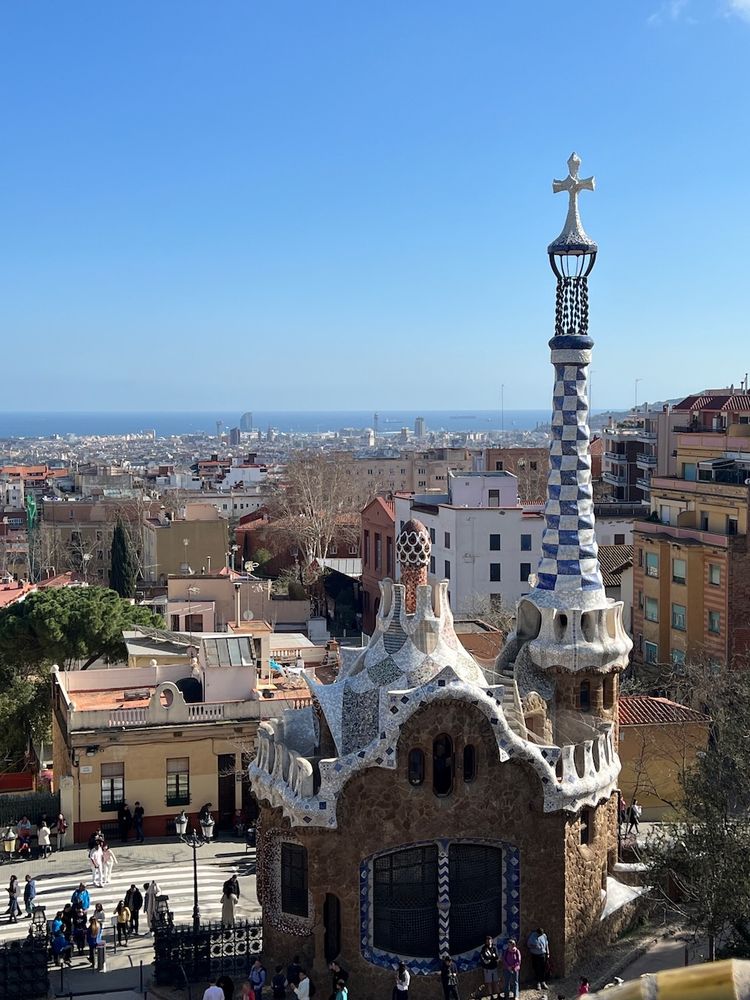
pixel 243 866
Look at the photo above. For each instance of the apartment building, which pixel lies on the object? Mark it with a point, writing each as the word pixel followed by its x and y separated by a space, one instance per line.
pixel 692 561
pixel 486 542
pixel 197 541
pixel 171 735
pixel 638 448
pixel 410 471
pixel 530 466
pixel 377 548
pixel 76 535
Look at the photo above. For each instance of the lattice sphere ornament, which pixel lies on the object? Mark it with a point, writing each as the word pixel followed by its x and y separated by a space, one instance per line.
pixel 413 545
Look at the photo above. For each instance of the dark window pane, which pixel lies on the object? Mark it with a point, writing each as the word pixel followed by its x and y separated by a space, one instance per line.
pixel 416 767
pixel 405 913
pixel 294 879
pixel 494 543
pixel 442 765
pixel 476 890
pixel 470 762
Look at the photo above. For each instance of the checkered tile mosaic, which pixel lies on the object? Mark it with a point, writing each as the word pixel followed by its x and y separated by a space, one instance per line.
pixel 569 559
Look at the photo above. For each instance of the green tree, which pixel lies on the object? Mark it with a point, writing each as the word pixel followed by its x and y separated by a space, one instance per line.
pixel 124 570
pixel 702 860
pixel 66 626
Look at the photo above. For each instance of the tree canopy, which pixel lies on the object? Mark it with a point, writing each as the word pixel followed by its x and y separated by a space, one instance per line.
pixel 702 860
pixel 66 625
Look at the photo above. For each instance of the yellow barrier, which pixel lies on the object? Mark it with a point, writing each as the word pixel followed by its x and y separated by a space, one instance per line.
pixel 728 980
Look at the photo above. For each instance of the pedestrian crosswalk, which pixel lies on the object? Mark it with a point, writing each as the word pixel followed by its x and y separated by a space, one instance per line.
pixel 175 881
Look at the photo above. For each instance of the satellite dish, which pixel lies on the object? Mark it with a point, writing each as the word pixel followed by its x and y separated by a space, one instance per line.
pixel 247 616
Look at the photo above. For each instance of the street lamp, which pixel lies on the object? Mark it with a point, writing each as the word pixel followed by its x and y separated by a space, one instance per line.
pixel 194 840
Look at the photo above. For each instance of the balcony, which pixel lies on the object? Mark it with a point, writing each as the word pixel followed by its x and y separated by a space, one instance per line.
pixel 646 435
pixel 645 461
pixel 682 534
pixel 614 478
pixel 615 456
pixel 643 483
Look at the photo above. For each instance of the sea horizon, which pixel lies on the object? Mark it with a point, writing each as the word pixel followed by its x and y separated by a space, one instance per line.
pixel 166 423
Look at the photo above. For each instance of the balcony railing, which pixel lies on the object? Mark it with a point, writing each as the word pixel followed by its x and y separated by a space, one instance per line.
pixel 615 456
pixel 645 461
pixel 614 479
pixel 644 483
pixel 681 533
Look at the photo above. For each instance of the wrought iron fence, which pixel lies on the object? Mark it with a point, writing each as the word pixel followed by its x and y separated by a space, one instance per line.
pixel 185 954
pixel 31 804
pixel 23 969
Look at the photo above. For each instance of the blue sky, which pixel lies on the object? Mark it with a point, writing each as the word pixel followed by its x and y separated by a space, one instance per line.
pixel 319 204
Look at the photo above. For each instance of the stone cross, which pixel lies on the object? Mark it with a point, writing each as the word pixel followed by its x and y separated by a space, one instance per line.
pixel 573 185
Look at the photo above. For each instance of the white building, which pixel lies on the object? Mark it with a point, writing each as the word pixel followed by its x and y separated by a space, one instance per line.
pixel 483 541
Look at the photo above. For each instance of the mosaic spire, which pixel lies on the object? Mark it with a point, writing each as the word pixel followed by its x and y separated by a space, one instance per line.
pixel 570 562
pixel 413 554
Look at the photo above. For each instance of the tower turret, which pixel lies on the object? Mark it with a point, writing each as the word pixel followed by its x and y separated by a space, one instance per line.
pixel 570 642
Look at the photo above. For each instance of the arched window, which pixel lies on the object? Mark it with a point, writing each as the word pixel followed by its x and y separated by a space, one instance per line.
pixel 416 766
pixel 470 762
pixel 332 927
pixel 584 696
pixel 442 765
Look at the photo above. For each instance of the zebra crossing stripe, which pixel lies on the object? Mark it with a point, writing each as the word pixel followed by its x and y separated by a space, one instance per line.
pixel 175 881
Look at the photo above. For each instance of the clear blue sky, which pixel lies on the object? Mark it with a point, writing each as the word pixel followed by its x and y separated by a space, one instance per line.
pixel 320 204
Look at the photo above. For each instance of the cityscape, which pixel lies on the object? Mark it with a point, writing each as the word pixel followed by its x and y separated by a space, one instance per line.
pixel 389 695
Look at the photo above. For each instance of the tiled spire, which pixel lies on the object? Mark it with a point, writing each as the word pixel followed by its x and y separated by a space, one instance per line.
pixel 569 562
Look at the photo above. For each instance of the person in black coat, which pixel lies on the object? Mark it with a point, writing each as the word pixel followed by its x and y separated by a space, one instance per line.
pixel 134 902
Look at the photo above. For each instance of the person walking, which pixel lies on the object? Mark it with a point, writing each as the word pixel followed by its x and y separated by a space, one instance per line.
pixel 449 978
pixel 43 838
pixel 96 857
pixel 61 829
pixel 108 863
pixel 538 945
pixel 511 969
pixel 634 815
pixel 138 813
pixel 214 992
pixel 123 922
pixel 258 977
pixel 14 908
pixel 134 902
pixel 228 903
pixel 401 986
pixel 489 960
pixel 29 892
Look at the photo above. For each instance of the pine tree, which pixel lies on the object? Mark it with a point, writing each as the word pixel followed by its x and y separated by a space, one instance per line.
pixel 124 567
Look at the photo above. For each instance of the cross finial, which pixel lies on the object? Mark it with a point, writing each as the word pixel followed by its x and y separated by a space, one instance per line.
pixel 573 238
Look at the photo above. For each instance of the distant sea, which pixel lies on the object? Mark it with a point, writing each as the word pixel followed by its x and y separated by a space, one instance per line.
pixel 287 421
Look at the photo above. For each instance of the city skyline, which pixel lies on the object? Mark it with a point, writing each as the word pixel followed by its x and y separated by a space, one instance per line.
pixel 350 187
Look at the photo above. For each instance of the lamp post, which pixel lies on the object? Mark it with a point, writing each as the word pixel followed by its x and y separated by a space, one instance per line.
pixel 194 840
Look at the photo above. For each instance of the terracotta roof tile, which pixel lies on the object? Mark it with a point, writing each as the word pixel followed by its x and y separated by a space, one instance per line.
pixel 613 559
pixel 645 710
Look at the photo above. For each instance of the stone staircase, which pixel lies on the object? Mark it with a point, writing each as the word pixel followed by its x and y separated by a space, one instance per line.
pixel 511 703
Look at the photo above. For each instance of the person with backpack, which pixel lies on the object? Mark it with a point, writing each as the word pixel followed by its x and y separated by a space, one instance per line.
pixel 258 976
pixel 489 960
